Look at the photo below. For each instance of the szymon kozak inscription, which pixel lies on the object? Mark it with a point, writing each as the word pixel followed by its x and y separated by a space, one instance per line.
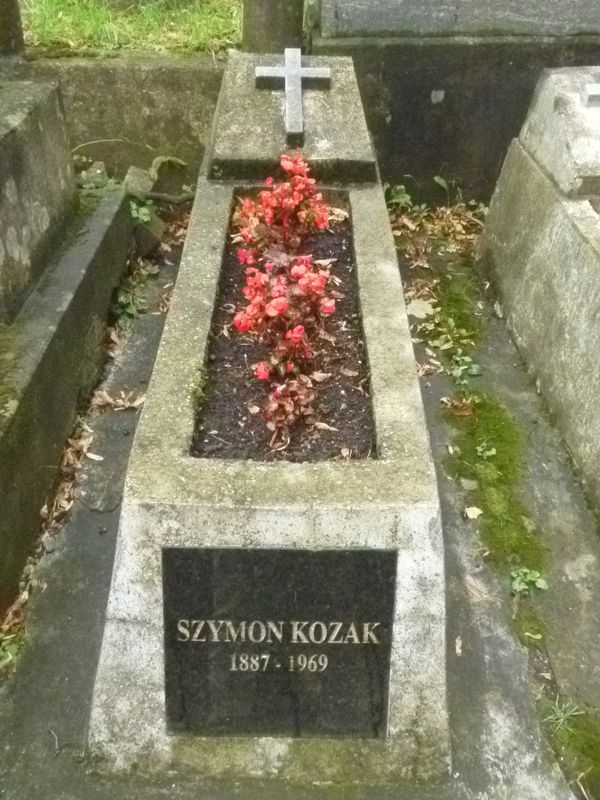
pixel 278 641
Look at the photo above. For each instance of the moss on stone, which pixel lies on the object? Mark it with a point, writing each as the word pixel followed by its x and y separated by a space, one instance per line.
pixel 504 526
pixel 458 294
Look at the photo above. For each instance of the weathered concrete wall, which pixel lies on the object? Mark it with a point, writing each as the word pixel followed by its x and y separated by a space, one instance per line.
pixel 543 247
pixel 451 17
pixel 37 184
pixel 128 110
pixel 451 106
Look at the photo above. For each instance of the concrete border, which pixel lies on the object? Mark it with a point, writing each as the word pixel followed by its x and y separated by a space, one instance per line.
pixel 174 499
pixel 48 354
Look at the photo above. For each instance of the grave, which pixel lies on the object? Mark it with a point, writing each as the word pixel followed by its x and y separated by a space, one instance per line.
pixel 279 619
pixel 542 243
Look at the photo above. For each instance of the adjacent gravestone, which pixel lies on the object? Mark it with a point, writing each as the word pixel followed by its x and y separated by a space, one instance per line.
pixel 385 18
pixel 280 620
pixel 542 241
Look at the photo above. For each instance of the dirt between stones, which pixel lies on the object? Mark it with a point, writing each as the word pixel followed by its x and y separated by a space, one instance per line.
pixel 225 426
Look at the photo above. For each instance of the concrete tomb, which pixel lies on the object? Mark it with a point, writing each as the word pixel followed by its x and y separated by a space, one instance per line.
pixel 542 241
pixel 281 620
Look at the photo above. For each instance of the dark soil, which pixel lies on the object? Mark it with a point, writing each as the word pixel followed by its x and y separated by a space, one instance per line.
pixel 226 428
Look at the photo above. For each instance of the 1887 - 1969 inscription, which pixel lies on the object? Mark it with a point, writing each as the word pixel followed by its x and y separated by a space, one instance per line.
pixel 278 642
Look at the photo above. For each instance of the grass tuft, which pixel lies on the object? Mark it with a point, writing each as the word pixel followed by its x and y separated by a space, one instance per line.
pixel 156 25
pixel 575 735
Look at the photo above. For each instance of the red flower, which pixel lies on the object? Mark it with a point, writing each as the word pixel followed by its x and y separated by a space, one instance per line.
pixel 289 367
pixel 262 371
pixel 242 322
pixel 277 307
pixel 327 305
pixel 295 335
pixel 298 271
pixel 245 256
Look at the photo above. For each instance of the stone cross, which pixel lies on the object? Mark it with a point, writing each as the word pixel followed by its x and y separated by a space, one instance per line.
pixel 293 75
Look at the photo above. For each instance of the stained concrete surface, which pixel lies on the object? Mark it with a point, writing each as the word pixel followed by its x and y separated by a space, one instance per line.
pixel 129 109
pixel 498 749
pixel 37 185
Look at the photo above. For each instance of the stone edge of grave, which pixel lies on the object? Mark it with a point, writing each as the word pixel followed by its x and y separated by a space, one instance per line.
pixel 548 274
pixel 55 341
pixel 237 133
pixel 173 499
pixel 561 132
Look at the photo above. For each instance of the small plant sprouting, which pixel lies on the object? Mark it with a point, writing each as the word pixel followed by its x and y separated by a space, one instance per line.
pixel 141 212
pixel 523 580
pixel 128 303
pixel 397 197
pixel 561 715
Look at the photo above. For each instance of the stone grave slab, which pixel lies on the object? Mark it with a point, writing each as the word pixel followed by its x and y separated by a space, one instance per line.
pixel 542 242
pixel 279 620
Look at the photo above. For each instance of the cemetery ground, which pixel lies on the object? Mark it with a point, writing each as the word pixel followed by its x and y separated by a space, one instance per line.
pixel 77 28
pixel 521 544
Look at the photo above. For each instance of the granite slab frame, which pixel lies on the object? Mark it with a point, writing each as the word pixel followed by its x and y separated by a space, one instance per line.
pixel 175 500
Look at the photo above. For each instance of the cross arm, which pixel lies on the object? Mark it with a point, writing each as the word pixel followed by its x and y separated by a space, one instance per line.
pixel 269 77
pixel 319 77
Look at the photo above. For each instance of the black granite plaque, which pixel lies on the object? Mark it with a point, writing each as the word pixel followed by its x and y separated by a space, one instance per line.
pixel 278 642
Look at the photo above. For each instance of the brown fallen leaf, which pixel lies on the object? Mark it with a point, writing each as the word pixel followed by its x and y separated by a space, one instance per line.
pixel 351 373
pixel 319 377
pixel 102 400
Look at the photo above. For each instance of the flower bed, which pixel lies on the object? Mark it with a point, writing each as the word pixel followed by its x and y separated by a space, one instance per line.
pixel 287 370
